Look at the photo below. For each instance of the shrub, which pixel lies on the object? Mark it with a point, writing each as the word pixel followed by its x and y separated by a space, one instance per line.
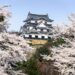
pixel 42 50
pixel 57 42
pixel 30 67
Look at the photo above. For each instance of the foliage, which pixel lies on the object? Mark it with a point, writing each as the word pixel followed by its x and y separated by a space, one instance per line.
pixel 1 18
pixel 57 42
pixel 31 66
pixel 42 50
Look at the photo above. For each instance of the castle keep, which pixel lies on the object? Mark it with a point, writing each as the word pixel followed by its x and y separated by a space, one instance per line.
pixel 37 27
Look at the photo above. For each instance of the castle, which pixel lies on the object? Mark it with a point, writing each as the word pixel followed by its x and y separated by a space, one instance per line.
pixel 37 27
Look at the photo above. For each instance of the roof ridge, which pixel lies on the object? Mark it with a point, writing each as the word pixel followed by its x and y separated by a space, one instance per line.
pixel 38 14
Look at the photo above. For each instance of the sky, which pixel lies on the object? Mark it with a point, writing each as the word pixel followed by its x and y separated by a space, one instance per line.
pixel 58 10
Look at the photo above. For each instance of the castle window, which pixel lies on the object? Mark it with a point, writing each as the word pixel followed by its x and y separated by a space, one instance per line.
pixel 36 37
pixel 42 37
pixel 48 37
pixel 30 36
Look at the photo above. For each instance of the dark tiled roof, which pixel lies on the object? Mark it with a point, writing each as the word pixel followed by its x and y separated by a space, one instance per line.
pixel 30 24
pixel 36 17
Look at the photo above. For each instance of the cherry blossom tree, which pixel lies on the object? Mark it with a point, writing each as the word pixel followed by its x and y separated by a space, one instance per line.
pixel 4 17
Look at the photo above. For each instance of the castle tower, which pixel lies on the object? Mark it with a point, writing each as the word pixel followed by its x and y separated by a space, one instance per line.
pixel 37 27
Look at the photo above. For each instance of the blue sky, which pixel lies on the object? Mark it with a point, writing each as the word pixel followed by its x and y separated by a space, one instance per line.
pixel 58 10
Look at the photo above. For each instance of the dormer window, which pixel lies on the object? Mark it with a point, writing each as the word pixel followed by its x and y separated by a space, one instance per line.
pixel 32 21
